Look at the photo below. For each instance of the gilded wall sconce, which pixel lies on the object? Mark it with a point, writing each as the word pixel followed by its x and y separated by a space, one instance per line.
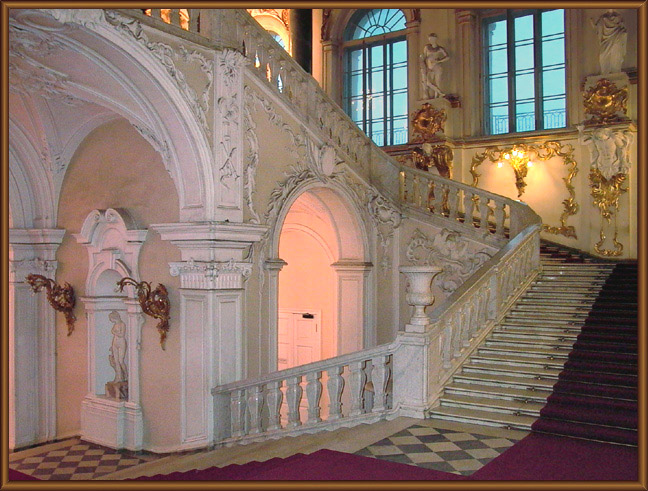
pixel 520 162
pixel 61 298
pixel 154 303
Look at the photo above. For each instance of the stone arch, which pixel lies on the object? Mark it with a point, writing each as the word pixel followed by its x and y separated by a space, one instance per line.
pixel 134 81
pixel 331 218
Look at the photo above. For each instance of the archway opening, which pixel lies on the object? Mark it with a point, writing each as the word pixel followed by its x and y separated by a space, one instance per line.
pixel 321 288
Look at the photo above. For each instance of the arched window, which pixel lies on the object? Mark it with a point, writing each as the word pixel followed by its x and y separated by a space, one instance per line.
pixel 375 74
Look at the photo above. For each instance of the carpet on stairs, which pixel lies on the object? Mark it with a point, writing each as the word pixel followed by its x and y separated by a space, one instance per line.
pixel 596 393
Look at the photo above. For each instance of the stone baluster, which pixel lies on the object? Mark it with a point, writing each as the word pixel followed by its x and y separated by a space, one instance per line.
pixel 456 334
pixel 483 210
pixel 430 196
pixel 156 13
pixel 380 378
pixel 453 202
pixel 402 178
pixel 439 191
pixel 194 16
pixel 468 207
pixel 465 325
pixel 500 216
pixel 313 394
pixel 255 407
pixel 271 69
pixel 237 408
pixel 174 17
pixel 357 381
pixel 335 385
pixel 293 396
pixel 274 398
pixel 447 345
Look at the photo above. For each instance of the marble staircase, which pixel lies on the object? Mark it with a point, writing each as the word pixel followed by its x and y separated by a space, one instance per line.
pixel 507 381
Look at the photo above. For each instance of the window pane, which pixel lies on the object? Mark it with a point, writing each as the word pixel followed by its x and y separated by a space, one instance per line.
pixel 553 52
pixel 499 119
pixel 498 90
pixel 524 55
pixel 525 116
pixel 496 33
pixel 524 86
pixel 553 22
pixel 553 82
pixel 523 28
pixel 497 61
pixel 367 23
pixel 555 111
pixel 399 52
pixel 356 57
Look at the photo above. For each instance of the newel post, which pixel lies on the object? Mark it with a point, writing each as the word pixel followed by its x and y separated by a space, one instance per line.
pixel 412 360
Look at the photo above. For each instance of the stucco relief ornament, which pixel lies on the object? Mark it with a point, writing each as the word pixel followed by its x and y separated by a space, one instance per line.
pixel 613 36
pixel 427 122
pixel 449 251
pixel 609 166
pixel 387 218
pixel 437 156
pixel 605 103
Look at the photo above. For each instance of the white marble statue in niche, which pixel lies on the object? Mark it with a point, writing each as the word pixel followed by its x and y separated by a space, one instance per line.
pixel 612 36
pixel 431 69
pixel 118 388
pixel 610 150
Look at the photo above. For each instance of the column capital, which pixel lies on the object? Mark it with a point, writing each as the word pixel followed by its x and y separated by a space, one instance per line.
pixel 211 275
pixel 274 265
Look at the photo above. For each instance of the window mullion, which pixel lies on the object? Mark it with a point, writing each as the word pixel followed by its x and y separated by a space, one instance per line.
pixel 387 88
pixel 537 65
pixel 366 68
pixel 510 48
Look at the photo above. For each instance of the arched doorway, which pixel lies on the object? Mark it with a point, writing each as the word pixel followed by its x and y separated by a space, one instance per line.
pixel 321 292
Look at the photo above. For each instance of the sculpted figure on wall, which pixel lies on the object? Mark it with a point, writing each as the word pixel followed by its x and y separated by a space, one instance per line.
pixel 431 69
pixel 613 36
pixel 609 152
pixel 118 388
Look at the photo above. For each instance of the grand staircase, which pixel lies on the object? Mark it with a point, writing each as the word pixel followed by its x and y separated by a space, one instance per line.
pixel 512 374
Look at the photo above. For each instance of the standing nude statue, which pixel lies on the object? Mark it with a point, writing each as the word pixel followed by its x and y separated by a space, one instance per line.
pixel 430 61
pixel 117 355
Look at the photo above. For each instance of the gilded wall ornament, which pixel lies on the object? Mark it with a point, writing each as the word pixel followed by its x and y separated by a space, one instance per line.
pixel 437 156
pixel 61 298
pixel 605 102
pixel 543 152
pixel 427 122
pixel 154 303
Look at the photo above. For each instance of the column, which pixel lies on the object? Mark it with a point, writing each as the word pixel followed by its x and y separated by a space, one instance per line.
pixel 212 292
pixel 32 338
pixel 469 54
pixel 273 267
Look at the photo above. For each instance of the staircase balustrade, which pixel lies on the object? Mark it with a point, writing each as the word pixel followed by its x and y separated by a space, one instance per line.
pixel 273 405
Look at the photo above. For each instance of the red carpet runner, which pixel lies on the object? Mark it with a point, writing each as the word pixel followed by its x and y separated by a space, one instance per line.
pixel 596 394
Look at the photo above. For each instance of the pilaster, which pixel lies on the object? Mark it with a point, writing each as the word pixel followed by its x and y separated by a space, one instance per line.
pixel 32 338
pixel 213 273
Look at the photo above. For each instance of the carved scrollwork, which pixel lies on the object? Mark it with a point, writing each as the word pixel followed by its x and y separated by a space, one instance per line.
pixel 544 152
pixel 605 102
pixel 154 303
pixel 427 122
pixel 61 298
pixel 437 156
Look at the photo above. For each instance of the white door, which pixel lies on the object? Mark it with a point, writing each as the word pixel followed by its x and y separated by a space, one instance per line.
pixel 299 337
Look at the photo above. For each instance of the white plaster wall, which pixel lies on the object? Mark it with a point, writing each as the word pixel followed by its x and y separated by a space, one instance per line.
pixel 114 167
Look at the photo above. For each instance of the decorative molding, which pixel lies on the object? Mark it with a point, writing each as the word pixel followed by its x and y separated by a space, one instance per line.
pixel 209 275
pixel 83 17
pixel 544 151
pixel 154 303
pixel 160 146
pixel 427 122
pixel 449 251
pixel 251 160
pixel 61 298
pixel 168 56
pixel 24 267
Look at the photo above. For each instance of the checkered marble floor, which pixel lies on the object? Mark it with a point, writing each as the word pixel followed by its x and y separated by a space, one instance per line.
pixel 440 449
pixel 78 461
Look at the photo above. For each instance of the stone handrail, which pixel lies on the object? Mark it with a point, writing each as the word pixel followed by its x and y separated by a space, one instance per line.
pixel 254 409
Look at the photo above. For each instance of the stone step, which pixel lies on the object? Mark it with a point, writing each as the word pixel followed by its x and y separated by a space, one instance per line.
pixel 529 408
pixel 532 331
pixel 498 392
pixel 547 315
pixel 550 305
pixel 512 381
pixel 562 280
pixel 534 337
pixel 540 323
pixel 488 418
pixel 572 296
pixel 523 371
pixel 518 360
pixel 522 343
pixel 556 353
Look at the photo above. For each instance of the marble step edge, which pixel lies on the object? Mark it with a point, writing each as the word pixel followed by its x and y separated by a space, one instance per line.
pixel 556 353
pixel 499 392
pixel 500 405
pixel 517 361
pixel 527 372
pixel 473 416
pixel 530 383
